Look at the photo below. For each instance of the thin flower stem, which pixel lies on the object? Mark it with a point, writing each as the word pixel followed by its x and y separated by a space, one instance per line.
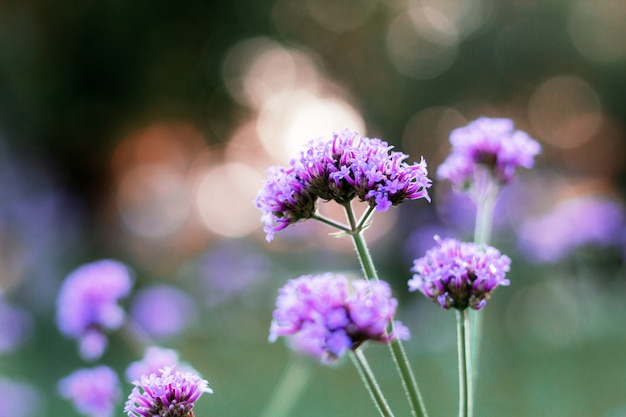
pixel 485 206
pixel 465 363
pixel 397 351
pixel 331 222
pixel 360 362
pixel 366 216
pixel 289 389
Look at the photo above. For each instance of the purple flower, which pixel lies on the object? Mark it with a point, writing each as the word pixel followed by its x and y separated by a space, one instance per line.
pixel 154 361
pixel 326 315
pixel 163 322
pixel 94 391
pixel 171 393
pixel 341 168
pixel 19 399
pixel 572 224
pixel 87 304
pixel 16 326
pixel 489 142
pixel 459 275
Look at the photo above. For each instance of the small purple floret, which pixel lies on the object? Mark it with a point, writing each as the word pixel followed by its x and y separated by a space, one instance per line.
pixel 326 315
pixel 170 393
pixel 94 391
pixel 87 304
pixel 489 142
pixel 458 274
pixel 341 168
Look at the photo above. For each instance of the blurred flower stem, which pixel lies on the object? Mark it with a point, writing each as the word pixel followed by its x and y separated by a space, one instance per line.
pixel 485 205
pixel 289 389
pixel 360 362
pixel 397 351
pixel 465 363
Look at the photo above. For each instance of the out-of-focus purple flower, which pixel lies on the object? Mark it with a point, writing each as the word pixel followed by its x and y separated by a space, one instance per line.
pixel 573 223
pixel 489 142
pixel 16 326
pixel 155 360
pixel 163 310
pixel 326 315
pixel 341 168
pixel 87 304
pixel 458 274
pixel 94 391
pixel 19 399
pixel 171 393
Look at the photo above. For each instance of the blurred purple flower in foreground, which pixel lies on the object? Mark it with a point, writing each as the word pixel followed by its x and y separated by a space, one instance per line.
pixel 163 310
pixel 326 315
pixel 489 142
pixel 87 304
pixel 19 399
pixel 341 168
pixel 94 391
pixel 16 326
pixel 459 275
pixel 155 359
pixel 573 223
pixel 171 393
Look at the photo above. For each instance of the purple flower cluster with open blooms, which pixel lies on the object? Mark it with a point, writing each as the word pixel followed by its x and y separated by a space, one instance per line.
pixel 169 393
pixel 341 168
pixel 490 142
pixel 87 304
pixel 326 315
pixel 459 274
pixel 94 391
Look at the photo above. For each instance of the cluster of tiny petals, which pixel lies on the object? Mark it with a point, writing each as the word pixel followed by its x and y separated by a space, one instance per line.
pixel 87 304
pixel 326 315
pixel 490 142
pixel 168 393
pixel 94 391
pixel 459 274
pixel 340 168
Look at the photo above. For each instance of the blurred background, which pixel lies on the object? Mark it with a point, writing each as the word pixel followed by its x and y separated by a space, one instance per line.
pixel 141 131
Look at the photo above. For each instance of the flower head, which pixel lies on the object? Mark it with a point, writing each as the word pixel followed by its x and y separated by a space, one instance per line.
pixel 489 142
pixel 326 315
pixel 87 304
pixel 458 274
pixel 94 391
pixel 170 393
pixel 340 168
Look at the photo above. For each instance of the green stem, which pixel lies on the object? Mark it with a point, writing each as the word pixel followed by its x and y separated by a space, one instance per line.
pixel 397 351
pixel 360 362
pixel 366 216
pixel 465 363
pixel 289 389
pixel 331 222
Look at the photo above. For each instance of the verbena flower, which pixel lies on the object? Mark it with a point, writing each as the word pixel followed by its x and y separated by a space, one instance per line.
pixel 340 168
pixel 19 399
pixel 94 391
pixel 87 304
pixel 170 393
pixel 458 274
pixel 492 143
pixel 326 315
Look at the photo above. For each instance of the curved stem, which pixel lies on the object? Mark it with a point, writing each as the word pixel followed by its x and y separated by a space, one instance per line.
pixel 289 389
pixel 365 218
pixel 331 223
pixel 360 362
pixel 465 363
pixel 397 351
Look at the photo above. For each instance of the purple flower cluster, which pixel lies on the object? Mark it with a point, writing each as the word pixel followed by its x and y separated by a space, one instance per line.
pixel 458 274
pixel 341 168
pixel 326 315
pixel 87 304
pixel 170 393
pixel 490 142
pixel 94 391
